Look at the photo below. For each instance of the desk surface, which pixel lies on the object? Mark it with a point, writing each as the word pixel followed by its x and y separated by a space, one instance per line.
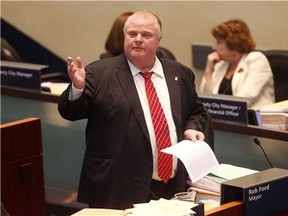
pixel 234 128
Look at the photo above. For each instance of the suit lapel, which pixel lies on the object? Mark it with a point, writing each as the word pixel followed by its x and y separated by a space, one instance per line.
pixel 126 81
pixel 173 80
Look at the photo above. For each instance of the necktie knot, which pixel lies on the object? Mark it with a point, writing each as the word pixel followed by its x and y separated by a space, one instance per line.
pixel 146 75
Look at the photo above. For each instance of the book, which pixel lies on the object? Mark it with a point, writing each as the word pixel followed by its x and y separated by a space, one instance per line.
pixel 275 121
pixel 279 107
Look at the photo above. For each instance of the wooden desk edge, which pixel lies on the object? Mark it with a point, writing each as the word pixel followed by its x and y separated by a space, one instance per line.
pixel 21 121
pixel 234 208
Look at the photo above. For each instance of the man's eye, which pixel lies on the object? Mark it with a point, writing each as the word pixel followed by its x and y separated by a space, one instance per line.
pixel 146 35
pixel 132 34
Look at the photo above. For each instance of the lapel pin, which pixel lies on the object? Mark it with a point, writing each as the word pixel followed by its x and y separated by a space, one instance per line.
pixel 176 78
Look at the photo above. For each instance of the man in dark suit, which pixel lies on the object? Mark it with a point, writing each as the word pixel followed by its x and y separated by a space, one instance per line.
pixel 120 162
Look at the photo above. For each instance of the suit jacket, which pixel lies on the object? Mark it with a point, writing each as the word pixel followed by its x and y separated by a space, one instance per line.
pixel 117 140
pixel 253 79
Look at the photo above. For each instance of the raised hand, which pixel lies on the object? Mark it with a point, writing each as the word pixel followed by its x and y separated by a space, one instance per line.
pixel 76 72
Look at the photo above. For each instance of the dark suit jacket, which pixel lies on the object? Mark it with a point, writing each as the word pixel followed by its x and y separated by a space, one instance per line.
pixel 117 141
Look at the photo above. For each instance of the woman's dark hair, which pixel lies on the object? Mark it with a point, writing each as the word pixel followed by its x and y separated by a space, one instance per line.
pixel 115 41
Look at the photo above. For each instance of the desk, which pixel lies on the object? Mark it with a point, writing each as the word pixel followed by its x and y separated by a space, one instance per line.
pixel 235 208
pixel 22 181
pixel 64 141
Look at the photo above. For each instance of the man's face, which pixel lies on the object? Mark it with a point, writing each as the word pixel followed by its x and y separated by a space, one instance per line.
pixel 141 41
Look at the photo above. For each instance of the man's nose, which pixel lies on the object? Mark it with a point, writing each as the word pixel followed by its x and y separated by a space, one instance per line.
pixel 138 37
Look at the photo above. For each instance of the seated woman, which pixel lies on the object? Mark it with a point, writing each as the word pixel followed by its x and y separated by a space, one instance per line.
pixel 234 68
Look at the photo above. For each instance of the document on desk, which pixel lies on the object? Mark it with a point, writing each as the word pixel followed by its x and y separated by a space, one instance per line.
pixel 102 212
pixel 163 207
pixel 197 157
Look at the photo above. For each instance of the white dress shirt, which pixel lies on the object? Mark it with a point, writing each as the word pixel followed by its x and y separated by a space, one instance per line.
pixel 161 88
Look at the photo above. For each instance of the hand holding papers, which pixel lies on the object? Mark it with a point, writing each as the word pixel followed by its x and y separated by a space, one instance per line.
pixel 197 157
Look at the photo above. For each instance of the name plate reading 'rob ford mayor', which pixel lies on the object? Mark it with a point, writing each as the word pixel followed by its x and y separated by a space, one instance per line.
pixel 21 75
pixel 263 192
pixel 225 107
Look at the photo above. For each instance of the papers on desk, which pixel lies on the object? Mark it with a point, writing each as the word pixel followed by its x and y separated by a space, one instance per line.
pixel 279 107
pixel 161 207
pixel 55 88
pixel 210 184
pixel 197 157
pixel 275 116
pixel 275 121
pixel 100 212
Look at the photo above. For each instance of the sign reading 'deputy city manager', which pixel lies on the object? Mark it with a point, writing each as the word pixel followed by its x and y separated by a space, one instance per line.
pixel 21 75
pixel 225 107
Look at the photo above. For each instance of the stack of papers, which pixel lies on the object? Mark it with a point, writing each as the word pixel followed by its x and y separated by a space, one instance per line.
pixel 211 183
pixel 280 107
pixel 275 121
pixel 275 116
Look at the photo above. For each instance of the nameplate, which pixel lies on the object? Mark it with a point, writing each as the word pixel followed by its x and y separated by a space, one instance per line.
pixel 225 107
pixel 21 75
pixel 262 193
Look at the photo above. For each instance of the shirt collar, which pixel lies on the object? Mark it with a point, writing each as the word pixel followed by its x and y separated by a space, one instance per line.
pixel 157 68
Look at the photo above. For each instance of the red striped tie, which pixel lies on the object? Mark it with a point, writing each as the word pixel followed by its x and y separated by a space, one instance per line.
pixel 160 128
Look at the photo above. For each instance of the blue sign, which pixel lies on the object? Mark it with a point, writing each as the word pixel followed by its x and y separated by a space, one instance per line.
pixel 226 108
pixel 21 75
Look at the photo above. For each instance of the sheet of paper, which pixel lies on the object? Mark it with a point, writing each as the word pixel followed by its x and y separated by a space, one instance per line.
pixel 55 88
pixel 197 157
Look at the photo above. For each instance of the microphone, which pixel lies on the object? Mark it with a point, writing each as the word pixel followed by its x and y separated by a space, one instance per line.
pixel 257 142
pixel 138 181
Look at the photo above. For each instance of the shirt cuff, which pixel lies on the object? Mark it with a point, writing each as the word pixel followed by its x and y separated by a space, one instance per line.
pixel 75 93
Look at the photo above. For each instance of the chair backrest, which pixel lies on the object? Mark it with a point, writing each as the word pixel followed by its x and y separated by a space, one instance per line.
pixel 278 60
pixel 8 53
pixel 165 53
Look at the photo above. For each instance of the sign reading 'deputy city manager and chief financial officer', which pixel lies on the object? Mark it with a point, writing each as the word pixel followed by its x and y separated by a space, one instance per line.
pixel 21 75
pixel 225 107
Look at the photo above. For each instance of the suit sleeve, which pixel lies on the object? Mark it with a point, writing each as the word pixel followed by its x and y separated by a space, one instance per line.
pixel 196 115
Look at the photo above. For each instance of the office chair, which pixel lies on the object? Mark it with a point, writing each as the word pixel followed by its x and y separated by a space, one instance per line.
pixel 8 53
pixel 278 60
pixel 165 53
